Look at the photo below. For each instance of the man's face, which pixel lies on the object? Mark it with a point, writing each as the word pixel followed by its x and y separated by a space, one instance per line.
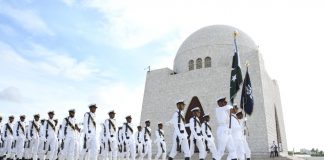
pixel 207 119
pixel 11 120
pixel 51 116
pixel 112 115
pixel 93 109
pixel 197 113
pixel 129 120
pixel 36 118
pixel 22 119
pixel 72 114
pixel 181 106
pixel 139 128
pixel 160 126
pixel 0 119
pixel 148 124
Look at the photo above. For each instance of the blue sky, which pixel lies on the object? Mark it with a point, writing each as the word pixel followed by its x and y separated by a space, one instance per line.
pixel 67 54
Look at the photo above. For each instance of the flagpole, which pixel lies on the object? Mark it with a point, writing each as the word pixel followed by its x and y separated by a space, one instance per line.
pixel 232 100
pixel 245 125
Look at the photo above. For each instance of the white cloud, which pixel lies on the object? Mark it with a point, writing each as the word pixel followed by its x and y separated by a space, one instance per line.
pixel 11 94
pixel 28 19
pixel 43 61
pixel 123 99
pixel 69 2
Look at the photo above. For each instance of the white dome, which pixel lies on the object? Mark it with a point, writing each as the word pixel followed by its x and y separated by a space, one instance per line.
pixel 216 36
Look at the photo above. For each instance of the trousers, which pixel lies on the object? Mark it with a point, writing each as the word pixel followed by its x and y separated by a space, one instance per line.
pixel 184 147
pixel 225 140
pixel 200 145
pixel 161 146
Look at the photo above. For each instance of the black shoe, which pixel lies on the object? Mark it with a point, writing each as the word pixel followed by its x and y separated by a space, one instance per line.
pixel 170 158
pixel 187 158
pixel 201 159
pixel 248 159
pixel 234 159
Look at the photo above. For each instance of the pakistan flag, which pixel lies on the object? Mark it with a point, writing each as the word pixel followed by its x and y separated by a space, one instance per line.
pixel 236 74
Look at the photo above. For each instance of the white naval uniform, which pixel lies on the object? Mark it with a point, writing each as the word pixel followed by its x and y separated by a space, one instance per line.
pixel 111 139
pixel 128 134
pixel 209 138
pixel 146 138
pixel 161 145
pixel 50 138
pixel 84 154
pixel 7 132
pixel 247 150
pixel 33 135
pixel 27 145
pixel 180 135
pixel 20 137
pixel 121 144
pixel 41 145
pixel 196 137
pixel 224 136
pixel 77 145
pixel 237 134
pixel 68 135
pixel 139 144
pixel 102 155
pixel 89 123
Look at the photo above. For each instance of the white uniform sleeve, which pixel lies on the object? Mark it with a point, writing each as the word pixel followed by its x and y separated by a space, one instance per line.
pixel 61 135
pixel 15 129
pixel 107 129
pixel 85 123
pixel 175 123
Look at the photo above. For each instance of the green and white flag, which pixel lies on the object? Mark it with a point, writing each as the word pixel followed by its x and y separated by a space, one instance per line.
pixel 236 73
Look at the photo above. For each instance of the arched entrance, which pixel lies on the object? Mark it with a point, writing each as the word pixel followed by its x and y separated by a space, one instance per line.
pixel 193 103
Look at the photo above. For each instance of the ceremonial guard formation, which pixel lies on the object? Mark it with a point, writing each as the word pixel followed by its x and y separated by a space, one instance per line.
pixel 46 140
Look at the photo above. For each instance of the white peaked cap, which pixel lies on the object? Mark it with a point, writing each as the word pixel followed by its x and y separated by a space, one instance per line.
pixel 206 115
pixel 221 98
pixel 195 109
pixel 180 100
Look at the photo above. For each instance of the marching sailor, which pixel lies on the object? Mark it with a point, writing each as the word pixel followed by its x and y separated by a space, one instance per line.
pixel 129 138
pixel 180 136
pixel 224 136
pixel 111 136
pixel 160 143
pixel 196 134
pixel 146 138
pixel 50 136
pixel 89 123
pixel 8 137
pixel 246 147
pixel 68 135
pixel 20 137
pixel 41 144
pixel 33 135
pixel 208 136
pixel 237 133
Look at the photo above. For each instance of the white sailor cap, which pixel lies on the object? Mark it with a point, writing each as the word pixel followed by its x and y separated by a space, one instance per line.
pixel 206 115
pixel 36 115
pixel 147 121
pixel 22 116
pixel 160 123
pixel 72 110
pixel 180 101
pixel 11 117
pixel 195 109
pixel 50 112
pixel 129 116
pixel 221 98
pixel 112 112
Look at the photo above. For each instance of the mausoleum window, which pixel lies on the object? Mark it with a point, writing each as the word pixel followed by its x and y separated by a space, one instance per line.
pixel 207 62
pixel 198 63
pixel 191 65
